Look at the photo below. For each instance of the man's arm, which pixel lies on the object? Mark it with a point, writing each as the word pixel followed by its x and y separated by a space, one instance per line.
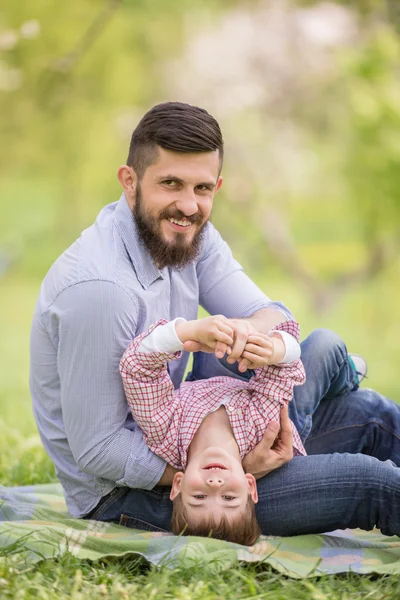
pixel 225 289
pixel 95 322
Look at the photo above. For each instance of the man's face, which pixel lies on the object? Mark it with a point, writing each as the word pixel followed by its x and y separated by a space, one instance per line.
pixel 214 483
pixel 173 202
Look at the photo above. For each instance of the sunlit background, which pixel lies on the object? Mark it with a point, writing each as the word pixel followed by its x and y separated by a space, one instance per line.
pixel 308 97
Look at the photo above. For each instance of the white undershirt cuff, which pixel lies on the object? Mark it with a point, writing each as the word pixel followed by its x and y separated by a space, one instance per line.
pixel 162 339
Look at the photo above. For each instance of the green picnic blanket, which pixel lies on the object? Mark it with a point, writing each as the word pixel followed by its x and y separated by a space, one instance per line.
pixel 35 525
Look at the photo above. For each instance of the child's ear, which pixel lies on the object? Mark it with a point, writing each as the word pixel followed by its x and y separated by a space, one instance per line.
pixel 176 485
pixel 252 487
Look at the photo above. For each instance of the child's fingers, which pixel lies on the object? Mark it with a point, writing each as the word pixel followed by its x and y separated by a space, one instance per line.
pixel 259 350
pixel 260 340
pixel 256 359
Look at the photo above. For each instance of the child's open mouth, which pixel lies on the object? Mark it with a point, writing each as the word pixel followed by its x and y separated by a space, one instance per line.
pixel 215 467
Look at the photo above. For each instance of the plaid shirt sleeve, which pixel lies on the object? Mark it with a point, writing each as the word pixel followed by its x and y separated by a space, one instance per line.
pixel 274 384
pixel 149 390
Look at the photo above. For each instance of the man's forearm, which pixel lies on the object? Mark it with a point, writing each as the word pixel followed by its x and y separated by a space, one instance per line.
pixel 266 319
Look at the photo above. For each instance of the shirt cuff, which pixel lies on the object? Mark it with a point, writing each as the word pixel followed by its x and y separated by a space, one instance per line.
pixel 162 339
pixel 143 471
pixel 292 348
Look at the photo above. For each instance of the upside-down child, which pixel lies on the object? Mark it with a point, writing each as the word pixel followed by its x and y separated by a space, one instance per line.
pixel 205 428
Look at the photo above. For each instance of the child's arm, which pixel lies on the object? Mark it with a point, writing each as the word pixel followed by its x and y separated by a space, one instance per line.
pixel 213 332
pixel 162 339
pixel 284 347
pixel 277 348
pixel 273 383
pixel 148 387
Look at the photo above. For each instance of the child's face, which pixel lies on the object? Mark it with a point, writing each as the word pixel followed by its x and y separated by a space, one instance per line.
pixel 214 482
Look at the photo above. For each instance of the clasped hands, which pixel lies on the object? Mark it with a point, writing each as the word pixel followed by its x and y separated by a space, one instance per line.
pixel 238 339
pixel 235 337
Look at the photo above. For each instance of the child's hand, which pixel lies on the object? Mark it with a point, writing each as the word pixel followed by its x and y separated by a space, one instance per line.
pixel 211 334
pixel 261 350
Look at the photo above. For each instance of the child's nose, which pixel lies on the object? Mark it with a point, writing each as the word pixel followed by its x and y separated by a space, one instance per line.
pixel 215 482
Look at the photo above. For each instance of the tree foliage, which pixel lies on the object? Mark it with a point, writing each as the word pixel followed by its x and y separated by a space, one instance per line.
pixel 308 95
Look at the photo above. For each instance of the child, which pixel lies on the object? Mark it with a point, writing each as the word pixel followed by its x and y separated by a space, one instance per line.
pixel 207 427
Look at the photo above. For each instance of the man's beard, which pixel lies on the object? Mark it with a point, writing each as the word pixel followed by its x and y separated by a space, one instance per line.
pixel 178 253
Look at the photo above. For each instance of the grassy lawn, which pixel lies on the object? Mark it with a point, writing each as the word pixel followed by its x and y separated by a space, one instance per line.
pixel 70 578
pixel 23 461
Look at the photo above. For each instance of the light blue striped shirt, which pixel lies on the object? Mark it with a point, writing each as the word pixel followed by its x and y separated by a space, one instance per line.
pixel 100 293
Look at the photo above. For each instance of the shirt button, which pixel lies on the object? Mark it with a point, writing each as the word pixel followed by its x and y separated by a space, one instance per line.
pixel 230 408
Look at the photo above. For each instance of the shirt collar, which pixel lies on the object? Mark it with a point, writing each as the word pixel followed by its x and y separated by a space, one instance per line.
pixel 145 269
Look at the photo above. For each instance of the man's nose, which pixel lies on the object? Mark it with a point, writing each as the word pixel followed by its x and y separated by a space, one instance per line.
pixel 188 204
pixel 215 482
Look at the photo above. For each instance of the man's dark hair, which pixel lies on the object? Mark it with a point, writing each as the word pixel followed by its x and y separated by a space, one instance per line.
pixel 243 530
pixel 173 126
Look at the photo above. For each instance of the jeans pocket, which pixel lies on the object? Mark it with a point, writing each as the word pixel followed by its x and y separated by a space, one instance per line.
pixel 134 523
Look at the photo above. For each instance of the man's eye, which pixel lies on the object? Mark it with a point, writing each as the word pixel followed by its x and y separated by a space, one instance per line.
pixel 170 183
pixel 203 188
pixel 228 498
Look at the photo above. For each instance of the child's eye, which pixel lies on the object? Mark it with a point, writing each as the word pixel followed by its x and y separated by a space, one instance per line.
pixel 228 497
pixel 199 496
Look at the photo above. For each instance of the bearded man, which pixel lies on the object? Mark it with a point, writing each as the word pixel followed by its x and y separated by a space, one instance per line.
pixel 154 254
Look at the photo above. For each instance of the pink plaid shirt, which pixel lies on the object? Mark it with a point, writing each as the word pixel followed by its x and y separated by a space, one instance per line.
pixel 169 418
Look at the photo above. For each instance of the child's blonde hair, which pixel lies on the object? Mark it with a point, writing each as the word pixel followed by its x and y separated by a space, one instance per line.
pixel 243 530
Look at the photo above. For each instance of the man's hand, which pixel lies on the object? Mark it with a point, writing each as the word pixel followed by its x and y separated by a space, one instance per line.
pixel 274 450
pixel 242 328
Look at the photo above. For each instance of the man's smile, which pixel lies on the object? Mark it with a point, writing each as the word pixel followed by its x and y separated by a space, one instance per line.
pixel 179 225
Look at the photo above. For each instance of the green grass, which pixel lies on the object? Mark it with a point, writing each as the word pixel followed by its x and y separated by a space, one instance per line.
pixel 131 579
pixel 365 316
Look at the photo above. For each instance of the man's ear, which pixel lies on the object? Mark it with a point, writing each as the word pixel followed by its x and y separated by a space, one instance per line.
pixel 128 180
pixel 176 485
pixel 219 183
pixel 252 487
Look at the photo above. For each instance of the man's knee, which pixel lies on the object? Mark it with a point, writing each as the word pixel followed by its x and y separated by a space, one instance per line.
pixel 324 342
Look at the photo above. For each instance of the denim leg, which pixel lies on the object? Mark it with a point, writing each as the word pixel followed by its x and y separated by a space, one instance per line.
pixel 362 422
pixel 315 494
pixel 310 494
pixel 328 374
pixel 148 510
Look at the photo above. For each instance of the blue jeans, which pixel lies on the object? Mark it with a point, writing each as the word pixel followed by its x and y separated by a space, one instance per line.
pixel 349 478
